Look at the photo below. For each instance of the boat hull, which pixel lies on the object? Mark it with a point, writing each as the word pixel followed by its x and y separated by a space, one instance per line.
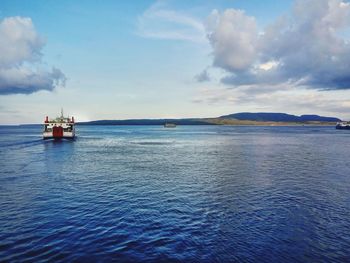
pixel 58 136
pixel 342 127
pixel 169 125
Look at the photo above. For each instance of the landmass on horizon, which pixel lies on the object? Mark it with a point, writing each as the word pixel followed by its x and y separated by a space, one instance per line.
pixel 242 118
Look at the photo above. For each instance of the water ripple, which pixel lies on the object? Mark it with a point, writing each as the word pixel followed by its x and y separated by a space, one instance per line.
pixel 192 194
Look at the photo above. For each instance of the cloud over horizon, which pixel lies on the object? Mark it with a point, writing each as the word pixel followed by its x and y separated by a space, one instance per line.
pixel 21 71
pixel 307 48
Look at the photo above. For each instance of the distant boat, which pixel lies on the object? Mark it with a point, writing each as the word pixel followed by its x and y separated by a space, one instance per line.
pixel 343 125
pixel 59 128
pixel 169 125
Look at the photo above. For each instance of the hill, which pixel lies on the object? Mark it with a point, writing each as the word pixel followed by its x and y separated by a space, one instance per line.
pixel 278 117
pixel 243 118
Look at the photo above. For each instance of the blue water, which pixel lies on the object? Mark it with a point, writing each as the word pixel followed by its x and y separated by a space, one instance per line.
pixel 190 194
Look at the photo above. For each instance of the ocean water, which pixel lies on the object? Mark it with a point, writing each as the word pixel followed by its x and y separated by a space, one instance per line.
pixel 189 194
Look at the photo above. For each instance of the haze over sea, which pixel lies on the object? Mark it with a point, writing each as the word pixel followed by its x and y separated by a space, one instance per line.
pixel 192 194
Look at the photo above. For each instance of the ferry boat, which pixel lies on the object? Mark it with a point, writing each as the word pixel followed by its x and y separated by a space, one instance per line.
pixel 343 125
pixel 59 128
pixel 169 125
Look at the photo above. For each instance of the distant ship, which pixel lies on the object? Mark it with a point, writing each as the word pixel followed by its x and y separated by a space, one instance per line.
pixel 343 125
pixel 59 128
pixel 169 125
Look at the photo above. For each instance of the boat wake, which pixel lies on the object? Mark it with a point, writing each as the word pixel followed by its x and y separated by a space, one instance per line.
pixel 22 144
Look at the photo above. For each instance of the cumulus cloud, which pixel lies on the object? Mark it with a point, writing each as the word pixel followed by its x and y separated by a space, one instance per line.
pixel 20 59
pixel 306 48
pixel 233 36
pixel 203 76
pixel 25 80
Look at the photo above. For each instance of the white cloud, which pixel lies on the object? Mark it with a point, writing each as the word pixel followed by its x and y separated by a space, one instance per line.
pixel 305 48
pixel 268 65
pixel 160 22
pixel 20 49
pixel 233 36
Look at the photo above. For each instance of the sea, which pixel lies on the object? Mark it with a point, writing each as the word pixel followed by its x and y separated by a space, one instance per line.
pixel 184 194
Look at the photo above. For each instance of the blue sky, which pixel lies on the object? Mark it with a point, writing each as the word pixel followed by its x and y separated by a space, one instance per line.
pixel 144 59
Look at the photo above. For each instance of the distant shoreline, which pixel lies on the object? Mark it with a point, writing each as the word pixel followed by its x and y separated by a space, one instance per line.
pixel 236 119
pixel 231 122
pixel 201 122
pixel 261 124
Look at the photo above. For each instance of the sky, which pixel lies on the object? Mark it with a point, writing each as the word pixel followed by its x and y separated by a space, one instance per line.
pixel 173 59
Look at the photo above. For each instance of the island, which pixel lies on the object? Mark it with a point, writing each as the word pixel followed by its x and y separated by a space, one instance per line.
pixel 242 118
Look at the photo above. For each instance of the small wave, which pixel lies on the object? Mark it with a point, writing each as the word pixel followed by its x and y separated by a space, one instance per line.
pixel 152 142
pixel 23 143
